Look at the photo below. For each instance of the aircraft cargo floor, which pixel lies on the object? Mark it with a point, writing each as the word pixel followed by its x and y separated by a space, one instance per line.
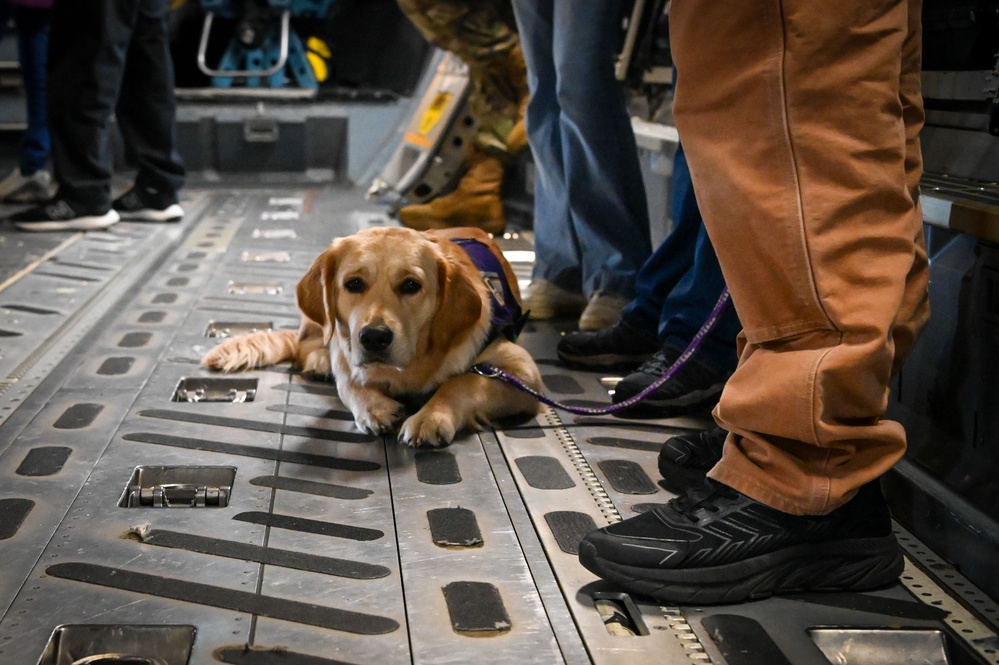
pixel 313 543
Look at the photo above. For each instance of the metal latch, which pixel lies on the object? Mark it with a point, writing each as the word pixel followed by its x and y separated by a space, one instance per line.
pixel 201 389
pixel 183 495
pixel 179 487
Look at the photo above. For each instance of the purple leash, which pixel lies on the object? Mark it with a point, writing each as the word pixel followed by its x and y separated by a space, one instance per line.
pixel 493 372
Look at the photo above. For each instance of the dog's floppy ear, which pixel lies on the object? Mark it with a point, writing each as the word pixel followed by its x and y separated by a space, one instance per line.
pixel 459 303
pixel 316 292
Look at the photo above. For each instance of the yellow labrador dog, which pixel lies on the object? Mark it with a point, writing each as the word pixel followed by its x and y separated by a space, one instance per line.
pixel 395 314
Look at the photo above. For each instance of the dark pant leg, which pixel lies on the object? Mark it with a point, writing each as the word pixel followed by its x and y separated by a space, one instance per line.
pixel 147 106
pixel 662 271
pixel 88 42
pixel 33 46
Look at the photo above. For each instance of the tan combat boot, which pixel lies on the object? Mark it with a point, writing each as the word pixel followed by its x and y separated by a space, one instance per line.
pixel 474 202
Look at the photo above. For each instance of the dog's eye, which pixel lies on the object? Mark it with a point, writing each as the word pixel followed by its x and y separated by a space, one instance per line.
pixel 355 285
pixel 410 286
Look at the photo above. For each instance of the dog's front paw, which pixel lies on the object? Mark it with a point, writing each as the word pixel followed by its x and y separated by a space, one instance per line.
pixel 317 364
pixel 230 356
pixel 428 428
pixel 381 417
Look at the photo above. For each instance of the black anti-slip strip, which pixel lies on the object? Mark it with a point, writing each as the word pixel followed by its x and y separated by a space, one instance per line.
pixel 454 527
pixel 258 426
pixel 267 555
pixel 865 602
pixel 229 599
pixel 308 459
pixel 544 473
pixel 72 278
pixel 29 309
pixel 116 366
pixel 627 477
pixel 437 467
pixel 134 340
pixel 318 527
pixel 257 655
pixel 476 607
pixel 10 333
pixel 562 384
pixel 12 514
pixel 152 317
pixel 312 412
pixel 569 527
pixel 743 641
pixel 326 391
pixel 311 487
pixel 628 444
pixel 44 461
pixel 165 298
pixel 78 416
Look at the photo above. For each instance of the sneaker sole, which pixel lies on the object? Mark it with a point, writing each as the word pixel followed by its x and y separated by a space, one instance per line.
pixel 846 565
pixel 87 223
pixel 173 213
pixel 696 400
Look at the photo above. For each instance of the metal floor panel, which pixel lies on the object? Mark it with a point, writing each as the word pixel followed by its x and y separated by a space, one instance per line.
pixel 326 551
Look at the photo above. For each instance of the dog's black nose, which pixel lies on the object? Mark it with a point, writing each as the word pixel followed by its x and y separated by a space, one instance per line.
pixel 375 338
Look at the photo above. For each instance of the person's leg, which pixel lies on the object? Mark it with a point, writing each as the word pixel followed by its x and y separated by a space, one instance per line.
pixel 483 36
pixel 818 249
pixel 555 244
pixel 605 190
pixel 147 107
pixel 915 308
pixel 86 61
pixel 667 265
pixel 33 46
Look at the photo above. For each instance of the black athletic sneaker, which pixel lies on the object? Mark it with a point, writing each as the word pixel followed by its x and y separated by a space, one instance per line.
pixel 695 387
pixel 60 215
pixel 716 545
pixel 620 346
pixel 148 205
pixel 687 458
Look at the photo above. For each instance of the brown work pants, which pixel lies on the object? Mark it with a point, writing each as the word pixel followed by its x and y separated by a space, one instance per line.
pixel 800 122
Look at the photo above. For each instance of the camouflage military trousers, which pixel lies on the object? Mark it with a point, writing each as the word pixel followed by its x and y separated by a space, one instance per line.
pixel 483 34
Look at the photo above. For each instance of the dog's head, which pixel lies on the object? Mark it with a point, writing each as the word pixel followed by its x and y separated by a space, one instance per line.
pixel 391 297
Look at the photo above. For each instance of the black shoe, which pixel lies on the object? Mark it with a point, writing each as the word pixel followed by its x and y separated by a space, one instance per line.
pixel 148 205
pixel 687 458
pixel 695 387
pixel 620 346
pixel 60 215
pixel 716 545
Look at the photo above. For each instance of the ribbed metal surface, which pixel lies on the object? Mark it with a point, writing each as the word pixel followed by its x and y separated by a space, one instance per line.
pixel 355 514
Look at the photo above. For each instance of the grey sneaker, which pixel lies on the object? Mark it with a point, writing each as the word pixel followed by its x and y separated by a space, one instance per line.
pixel 19 188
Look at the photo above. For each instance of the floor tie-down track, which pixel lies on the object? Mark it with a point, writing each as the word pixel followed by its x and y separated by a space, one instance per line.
pixel 306 541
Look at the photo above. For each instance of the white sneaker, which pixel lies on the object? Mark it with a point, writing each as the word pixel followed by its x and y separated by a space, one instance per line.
pixel 17 188
pixel 603 311
pixel 546 300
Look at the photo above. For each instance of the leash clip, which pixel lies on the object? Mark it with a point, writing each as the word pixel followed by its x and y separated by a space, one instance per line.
pixel 487 370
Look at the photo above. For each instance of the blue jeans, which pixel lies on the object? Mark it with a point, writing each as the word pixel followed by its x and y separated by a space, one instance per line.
pixel 591 226
pixel 679 285
pixel 32 51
